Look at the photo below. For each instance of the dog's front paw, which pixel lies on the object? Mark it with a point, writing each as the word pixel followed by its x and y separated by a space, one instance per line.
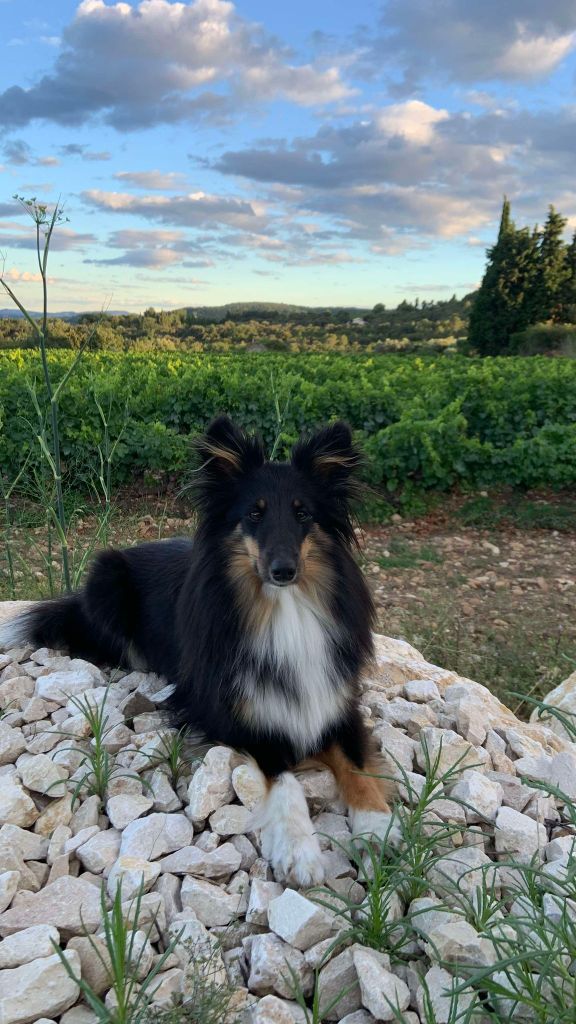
pixel 294 858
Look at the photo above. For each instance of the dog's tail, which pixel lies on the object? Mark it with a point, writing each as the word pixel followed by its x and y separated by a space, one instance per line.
pixel 56 623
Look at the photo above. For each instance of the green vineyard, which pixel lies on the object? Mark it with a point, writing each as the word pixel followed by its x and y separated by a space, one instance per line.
pixel 424 422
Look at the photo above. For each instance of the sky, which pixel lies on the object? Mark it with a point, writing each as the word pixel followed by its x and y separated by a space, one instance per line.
pixel 318 152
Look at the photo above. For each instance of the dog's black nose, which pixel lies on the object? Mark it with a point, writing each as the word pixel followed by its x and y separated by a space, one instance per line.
pixel 282 572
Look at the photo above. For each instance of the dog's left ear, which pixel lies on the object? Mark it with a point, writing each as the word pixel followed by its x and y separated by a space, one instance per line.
pixel 329 454
pixel 226 452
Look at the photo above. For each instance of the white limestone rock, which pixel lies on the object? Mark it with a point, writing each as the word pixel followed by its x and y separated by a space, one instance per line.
pixel 299 921
pixel 211 786
pixel 156 835
pixel 133 873
pixel 519 836
pixel 211 904
pixel 231 820
pixel 384 994
pixel 269 973
pixel 12 743
pixel 219 863
pixel 16 806
pixel 261 895
pixel 482 796
pixel 249 786
pixel 40 987
pixel 126 807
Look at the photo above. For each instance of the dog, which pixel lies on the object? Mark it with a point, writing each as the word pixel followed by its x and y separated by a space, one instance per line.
pixel 262 622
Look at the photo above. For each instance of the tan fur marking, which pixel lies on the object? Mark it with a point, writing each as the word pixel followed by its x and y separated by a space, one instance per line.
pixel 360 790
pixel 316 576
pixel 226 455
pixel 243 573
pixel 333 460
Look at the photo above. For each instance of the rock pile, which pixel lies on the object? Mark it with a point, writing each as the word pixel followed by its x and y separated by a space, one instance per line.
pixel 186 837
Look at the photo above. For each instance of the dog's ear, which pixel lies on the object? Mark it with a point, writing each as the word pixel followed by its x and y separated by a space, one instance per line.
pixel 329 454
pixel 226 452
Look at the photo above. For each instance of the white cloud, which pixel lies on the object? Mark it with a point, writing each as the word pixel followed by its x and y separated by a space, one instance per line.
pixel 414 120
pixel 152 179
pixel 160 61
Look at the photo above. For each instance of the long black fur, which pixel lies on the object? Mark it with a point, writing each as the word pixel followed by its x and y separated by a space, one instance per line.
pixel 173 604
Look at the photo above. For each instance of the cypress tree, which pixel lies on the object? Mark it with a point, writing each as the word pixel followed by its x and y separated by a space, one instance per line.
pixel 502 304
pixel 567 303
pixel 553 270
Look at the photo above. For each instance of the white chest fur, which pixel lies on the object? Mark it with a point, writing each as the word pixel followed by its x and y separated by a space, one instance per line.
pixel 296 638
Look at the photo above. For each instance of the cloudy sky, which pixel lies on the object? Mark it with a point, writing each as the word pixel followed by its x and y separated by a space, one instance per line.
pixel 315 152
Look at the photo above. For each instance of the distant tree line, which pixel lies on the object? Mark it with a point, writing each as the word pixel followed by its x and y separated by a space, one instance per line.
pixel 530 279
pixel 411 327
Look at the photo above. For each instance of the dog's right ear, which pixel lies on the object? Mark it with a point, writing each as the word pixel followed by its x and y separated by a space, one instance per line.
pixel 226 452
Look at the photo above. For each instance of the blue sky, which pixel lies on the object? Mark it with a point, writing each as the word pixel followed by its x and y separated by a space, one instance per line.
pixel 319 152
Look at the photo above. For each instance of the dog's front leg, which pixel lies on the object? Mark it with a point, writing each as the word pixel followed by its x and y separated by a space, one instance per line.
pixel 288 839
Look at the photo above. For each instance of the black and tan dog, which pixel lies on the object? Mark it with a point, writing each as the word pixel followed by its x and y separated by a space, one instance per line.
pixel 262 622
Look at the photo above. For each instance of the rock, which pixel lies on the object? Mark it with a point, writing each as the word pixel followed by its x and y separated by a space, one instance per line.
pixel 220 863
pixel 298 921
pixel 428 913
pixel 28 845
pixel 447 748
pixel 231 820
pixel 40 774
pixel 16 807
pixel 12 743
pixel 79 1015
pixel 8 886
pixel 269 968
pixel 482 796
pixel 246 849
pixel 249 786
pixel 58 812
pixel 165 799
pixel 435 991
pixel 518 836
pixel 382 993
pixel 261 893
pixel 133 873
pixel 338 987
pixel 211 786
pixel 28 944
pixel 70 904
pixel 42 986
pixel 169 888
pixel 126 807
pixel 85 815
pixel 562 697
pixel 462 873
pixel 271 1010
pixel 397 749
pixel 94 961
pixel 99 853
pixel 421 691
pixel 167 987
pixel 59 686
pixel 156 835
pixel 211 904
pixel 457 942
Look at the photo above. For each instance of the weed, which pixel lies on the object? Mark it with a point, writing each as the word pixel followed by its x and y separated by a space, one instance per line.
pixel 172 754
pixel 123 963
pixel 98 766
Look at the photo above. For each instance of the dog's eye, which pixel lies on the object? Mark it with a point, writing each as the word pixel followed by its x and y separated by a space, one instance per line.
pixel 302 515
pixel 255 515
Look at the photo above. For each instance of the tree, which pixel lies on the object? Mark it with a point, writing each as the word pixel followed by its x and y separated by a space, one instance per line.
pixel 490 317
pixel 567 299
pixel 552 269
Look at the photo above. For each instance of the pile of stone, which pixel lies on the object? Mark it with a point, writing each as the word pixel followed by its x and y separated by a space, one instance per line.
pixel 189 842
